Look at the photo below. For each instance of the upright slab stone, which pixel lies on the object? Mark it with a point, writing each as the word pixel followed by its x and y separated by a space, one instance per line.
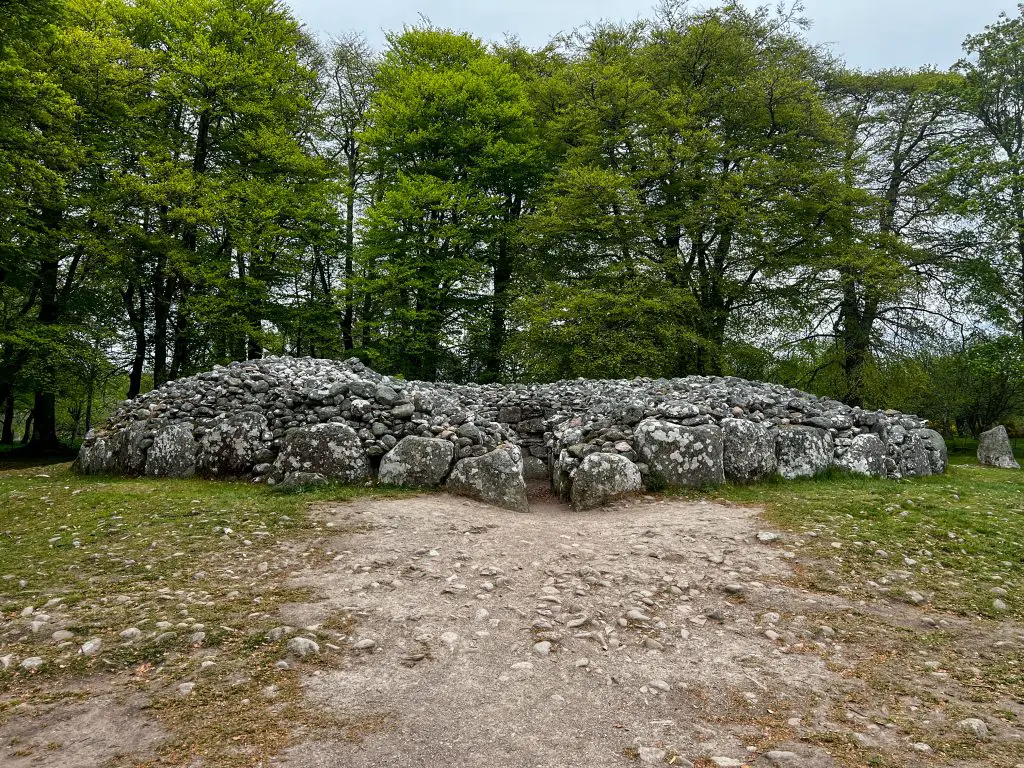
pixel 994 449
pixel 748 451
pixel 96 456
pixel 494 478
pixel 864 456
pixel 938 454
pixel 803 451
pixel 603 478
pixel 173 453
pixel 129 454
pixel 417 462
pixel 914 460
pixel 332 450
pixel 678 456
pixel 229 449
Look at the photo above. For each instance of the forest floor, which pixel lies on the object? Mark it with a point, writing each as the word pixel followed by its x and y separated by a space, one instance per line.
pixel 835 622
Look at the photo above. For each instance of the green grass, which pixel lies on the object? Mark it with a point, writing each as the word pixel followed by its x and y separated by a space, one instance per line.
pixel 124 553
pixel 953 538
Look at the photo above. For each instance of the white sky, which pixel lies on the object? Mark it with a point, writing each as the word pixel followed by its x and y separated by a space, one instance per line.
pixel 869 34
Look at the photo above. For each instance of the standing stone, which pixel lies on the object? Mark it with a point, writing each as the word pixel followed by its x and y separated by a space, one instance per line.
pixel 914 458
pixel 417 462
pixel 938 454
pixel 173 453
pixel 864 456
pixel 748 451
pixel 994 449
pixel 332 450
pixel 494 478
pixel 229 449
pixel 96 456
pixel 129 454
pixel 680 456
pixel 803 451
pixel 604 477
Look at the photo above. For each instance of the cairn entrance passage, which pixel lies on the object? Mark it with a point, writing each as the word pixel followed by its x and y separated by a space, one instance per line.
pixel 304 421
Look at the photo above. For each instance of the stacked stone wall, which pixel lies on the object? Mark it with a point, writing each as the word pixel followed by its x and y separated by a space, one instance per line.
pixel 301 420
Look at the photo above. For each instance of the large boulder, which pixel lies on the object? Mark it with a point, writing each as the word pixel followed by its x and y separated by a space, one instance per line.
pixel 678 456
pixel 938 454
pixel 494 478
pixel 129 453
pixel 602 478
pixel 994 449
pixel 748 451
pixel 914 458
pixel 865 455
pixel 803 451
pixel 230 448
pixel 332 450
pixel 173 453
pixel 417 462
pixel 96 456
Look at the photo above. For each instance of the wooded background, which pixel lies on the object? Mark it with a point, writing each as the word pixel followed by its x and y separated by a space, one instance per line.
pixel 190 182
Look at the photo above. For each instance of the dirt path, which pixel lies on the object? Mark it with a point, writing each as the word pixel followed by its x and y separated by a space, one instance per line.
pixel 658 631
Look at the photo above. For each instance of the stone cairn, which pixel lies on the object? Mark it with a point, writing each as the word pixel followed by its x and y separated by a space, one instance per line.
pixel 301 421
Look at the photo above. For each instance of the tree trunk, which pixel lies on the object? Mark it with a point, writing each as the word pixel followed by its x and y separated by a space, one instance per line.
pixel 7 438
pixel 137 321
pixel 28 428
pixel 44 426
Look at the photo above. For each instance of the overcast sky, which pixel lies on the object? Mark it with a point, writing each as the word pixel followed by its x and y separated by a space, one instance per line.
pixel 870 34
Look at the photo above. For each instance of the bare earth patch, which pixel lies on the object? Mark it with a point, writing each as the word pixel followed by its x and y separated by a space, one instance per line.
pixel 86 726
pixel 664 632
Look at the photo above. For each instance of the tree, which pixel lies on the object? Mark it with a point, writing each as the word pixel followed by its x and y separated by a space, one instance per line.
pixel 694 151
pixel 452 143
pixel 895 245
pixel 994 95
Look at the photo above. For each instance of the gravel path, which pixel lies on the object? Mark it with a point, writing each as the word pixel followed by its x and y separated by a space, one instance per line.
pixel 657 632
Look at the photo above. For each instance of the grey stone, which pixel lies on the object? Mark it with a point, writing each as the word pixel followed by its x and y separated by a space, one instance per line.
pixel 603 478
pixel 417 462
pixel 994 449
pixel 864 456
pixel 173 453
pixel 681 456
pixel 803 451
pixel 748 451
pixel 938 454
pixel 494 478
pixel 230 447
pixel 332 450
pixel 974 726
pixel 296 480
pixel 303 646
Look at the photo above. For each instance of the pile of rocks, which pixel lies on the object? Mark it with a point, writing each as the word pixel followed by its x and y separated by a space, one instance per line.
pixel 301 421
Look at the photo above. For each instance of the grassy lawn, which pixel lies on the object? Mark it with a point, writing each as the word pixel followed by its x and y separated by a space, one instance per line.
pixel 195 566
pixel 957 540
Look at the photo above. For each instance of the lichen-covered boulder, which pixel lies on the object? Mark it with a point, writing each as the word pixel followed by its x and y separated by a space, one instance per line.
pixel 938 454
pixel 914 459
pixel 173 452
pixel 96 456
pixel 494 478
pixel 748 451
pixel 231 447
pixel 129 450
pixel 865 455
pixel 332 450
pixel 602 478
pixel 417 462
pixel 678 456
pixel 994 449
pixel 803 451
